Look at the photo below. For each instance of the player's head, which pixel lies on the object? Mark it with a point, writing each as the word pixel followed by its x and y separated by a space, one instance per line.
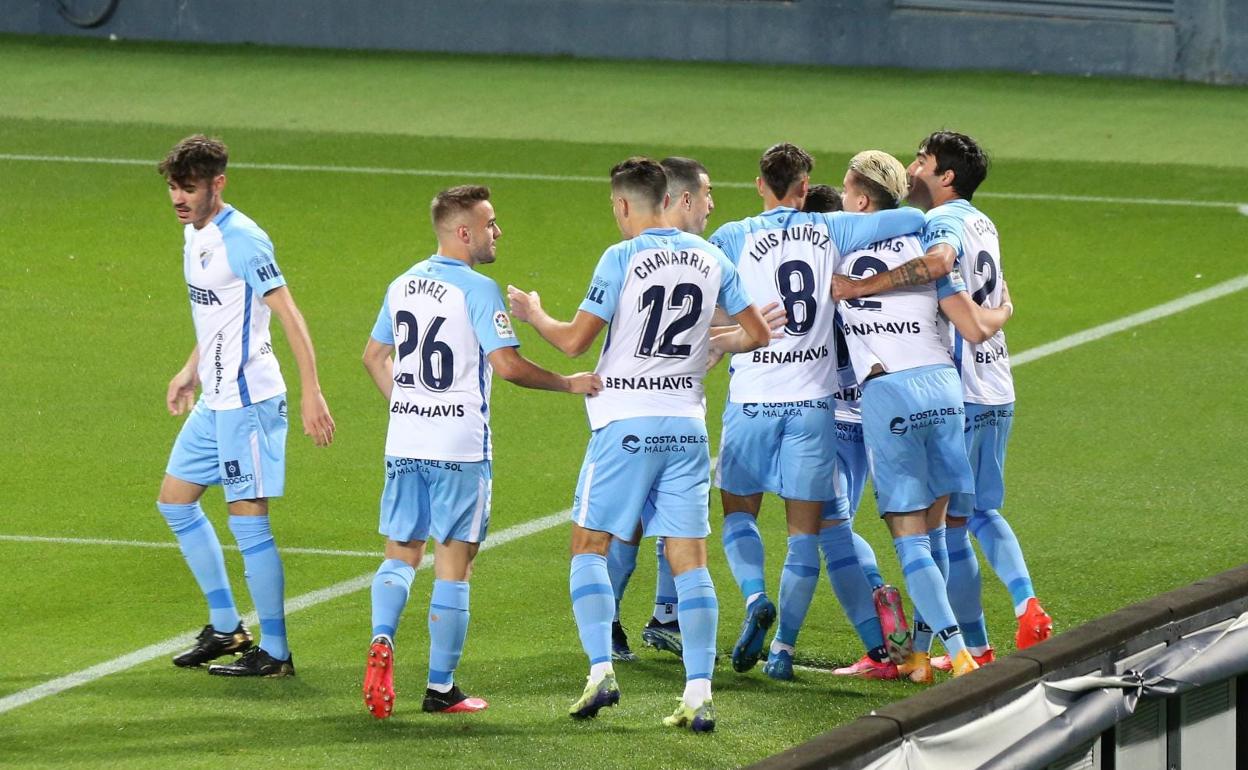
pixel 689 194
pixel 874 181
pixel 195 172
pixel 638 194
pixel 948 165
pixel 463 219
pixel 822 199
pixel 784 172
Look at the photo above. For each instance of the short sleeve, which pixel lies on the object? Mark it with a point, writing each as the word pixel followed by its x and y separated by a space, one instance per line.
pixel 853 232
pixel 942 228
pixel 730 239
pixel 383 330
pixel 489 318
pixel 732 296
pixel 606 285
pixel 251 258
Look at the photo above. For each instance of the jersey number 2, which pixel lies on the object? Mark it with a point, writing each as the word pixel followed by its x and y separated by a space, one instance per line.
pixel 437 361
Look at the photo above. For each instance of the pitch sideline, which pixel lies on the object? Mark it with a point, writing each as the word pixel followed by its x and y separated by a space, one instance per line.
pixel 337 590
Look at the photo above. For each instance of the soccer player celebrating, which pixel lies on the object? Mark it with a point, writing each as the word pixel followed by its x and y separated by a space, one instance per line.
pixel 235 434
pixel 688 206
pixel 779 429
pixel 451 331
pixel 944 175
pixel 648 458
pixel 911 403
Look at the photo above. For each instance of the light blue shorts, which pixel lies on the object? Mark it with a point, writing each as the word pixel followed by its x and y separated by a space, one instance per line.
pixel 851 472
pixel 912 427
pixel 987 433
pixel 243 450
pixel 788 449
pixel 444 498
pixel 652 470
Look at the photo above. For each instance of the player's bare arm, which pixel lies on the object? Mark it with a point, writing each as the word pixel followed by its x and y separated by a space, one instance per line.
pixel 572 337
pixel 317 422
pixel 773 314
pixel 752 331
pixel 378 360
pixel 976 324
pixel 936 263
pixel 518 370
pixel 180 396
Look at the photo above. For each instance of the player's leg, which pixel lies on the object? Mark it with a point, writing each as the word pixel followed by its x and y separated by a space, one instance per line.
pixel 798 580
pixel 621 562
pixel 404 521
pixel 680 514
pixel 748 466
pixel 191 468
pixel 662 630
pixel 460 501
pixel 610 494
pixel 253 470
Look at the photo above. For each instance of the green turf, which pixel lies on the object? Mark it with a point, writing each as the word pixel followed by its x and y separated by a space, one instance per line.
pixel 1123 466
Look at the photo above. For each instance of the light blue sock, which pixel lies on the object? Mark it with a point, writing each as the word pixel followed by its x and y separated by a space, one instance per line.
pixel 940 550
pixel 265 580
pixel 448 627
pixel 866 559
pixel 850 584
pixel 202 551
pixel 926 587
pixel 391 586
pixel 1003 552
pixel 743 545
pixel 964 586
pixel 797 586
pixel 593 604
pixel 665 598
pixel 699 621
pixel 621 561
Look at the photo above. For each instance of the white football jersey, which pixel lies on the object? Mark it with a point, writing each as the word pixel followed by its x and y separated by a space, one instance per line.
pixel 788 256
pixel 657 291
pixel 443 319
pixel 229 267
pixel 985 367
pixel 848 394
pixel 898 329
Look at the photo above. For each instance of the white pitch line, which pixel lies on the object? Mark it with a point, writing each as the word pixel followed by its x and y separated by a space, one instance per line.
pixel 148 544
pixel 1135 319
pixel 337 590
pixel 535 177
pixel 301 602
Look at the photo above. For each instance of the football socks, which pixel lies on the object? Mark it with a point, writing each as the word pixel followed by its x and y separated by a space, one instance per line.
pixel 593 604
pixel 798 581
pixel 964 586
pixel 664 586
pixel 699 622
pixel 265 580
pixel 926 587
pixel 448 627
pixel 202 551
pixel 391 586
pixel 621 561
pixel 1003 552
pixel 743 545
pixel 850 583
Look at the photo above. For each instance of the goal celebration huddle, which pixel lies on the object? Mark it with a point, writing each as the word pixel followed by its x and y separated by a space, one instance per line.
pixel 863 331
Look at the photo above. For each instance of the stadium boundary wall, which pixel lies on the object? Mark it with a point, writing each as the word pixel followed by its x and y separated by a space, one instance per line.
pixel 1198 40
pixel 1160 684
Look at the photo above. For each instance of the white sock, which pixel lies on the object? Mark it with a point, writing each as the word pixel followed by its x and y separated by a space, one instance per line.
pixel 1020 608
pixel 599 671
pixel 697 692
pixel 750 599
pixel 440 687
pixel 777 646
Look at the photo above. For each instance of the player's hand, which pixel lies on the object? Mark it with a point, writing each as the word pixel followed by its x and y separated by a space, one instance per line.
pixel 844 288
pixel 524 304
pixel 776 318
pixel 713 356
pixel 317 421
pixel 180 397
pixel 584 383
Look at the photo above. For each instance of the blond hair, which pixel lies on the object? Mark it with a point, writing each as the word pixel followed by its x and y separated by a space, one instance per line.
pixel 879 169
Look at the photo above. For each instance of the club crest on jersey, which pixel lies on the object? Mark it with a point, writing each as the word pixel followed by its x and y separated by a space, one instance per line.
pixel 502 326
pixel 205 256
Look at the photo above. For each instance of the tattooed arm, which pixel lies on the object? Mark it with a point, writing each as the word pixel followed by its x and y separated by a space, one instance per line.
pixel 936 263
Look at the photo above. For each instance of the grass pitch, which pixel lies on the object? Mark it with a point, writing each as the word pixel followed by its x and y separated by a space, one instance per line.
pixel 1126 467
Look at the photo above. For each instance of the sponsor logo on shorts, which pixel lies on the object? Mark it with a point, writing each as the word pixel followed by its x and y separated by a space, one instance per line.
pixel 403 465
pixel 989 419
pixel 788 408
pixel 631 444
pixel 924 419
pixel 234 474
pixel 657 444
pixel 750 410
pixel 502 326
pixel 281 409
